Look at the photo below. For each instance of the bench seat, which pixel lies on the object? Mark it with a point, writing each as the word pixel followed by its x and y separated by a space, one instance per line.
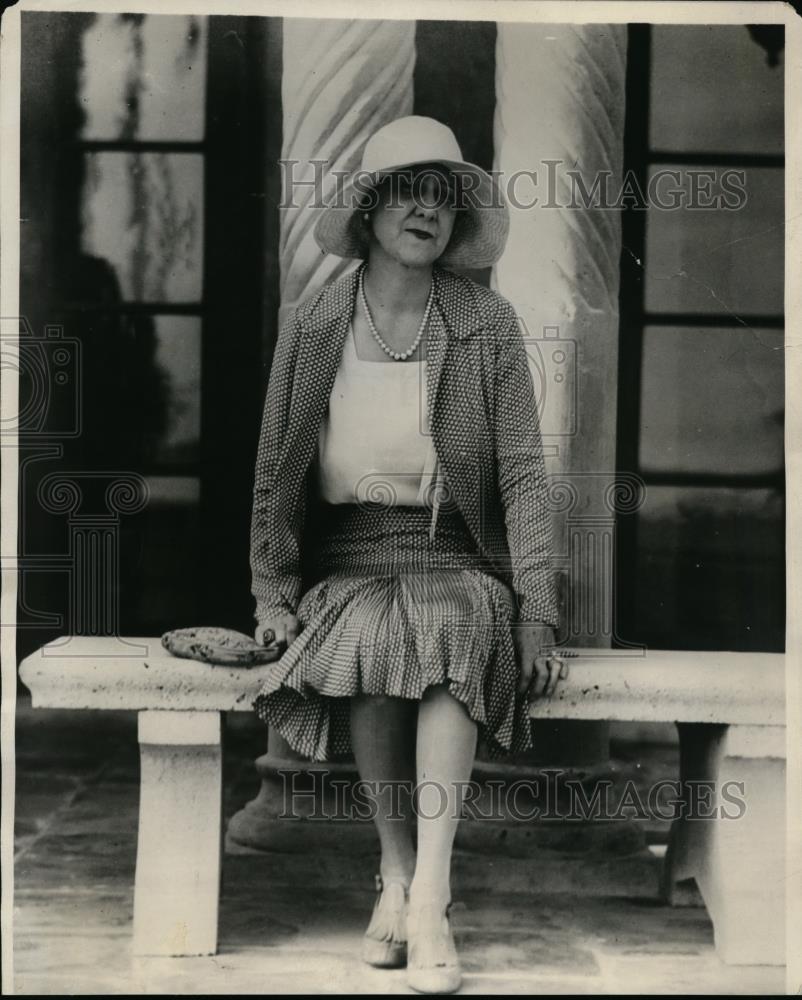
pixel 729 707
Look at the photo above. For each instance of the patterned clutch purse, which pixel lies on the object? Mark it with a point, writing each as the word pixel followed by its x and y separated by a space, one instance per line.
pixel 220 646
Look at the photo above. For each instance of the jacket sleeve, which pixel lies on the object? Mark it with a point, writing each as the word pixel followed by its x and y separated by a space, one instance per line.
pixel 523 484
pixel 275 565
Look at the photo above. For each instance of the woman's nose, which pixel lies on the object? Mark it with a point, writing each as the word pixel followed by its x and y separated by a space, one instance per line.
pixel 428 199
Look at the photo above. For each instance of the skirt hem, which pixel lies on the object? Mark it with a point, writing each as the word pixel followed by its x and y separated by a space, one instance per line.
pixel 392 615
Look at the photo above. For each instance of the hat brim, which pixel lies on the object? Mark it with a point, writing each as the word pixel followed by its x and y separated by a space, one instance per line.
pixel 478 239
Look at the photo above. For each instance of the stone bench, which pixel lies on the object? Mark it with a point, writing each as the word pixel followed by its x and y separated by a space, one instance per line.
pixel 730 714
pixel 729 708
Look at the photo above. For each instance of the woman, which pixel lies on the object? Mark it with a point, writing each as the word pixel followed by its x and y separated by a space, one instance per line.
pixel 400 541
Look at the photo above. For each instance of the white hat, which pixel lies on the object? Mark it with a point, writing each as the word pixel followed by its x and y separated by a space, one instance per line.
pixel 407 142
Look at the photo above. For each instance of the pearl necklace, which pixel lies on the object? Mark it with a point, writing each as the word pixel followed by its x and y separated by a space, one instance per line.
pixel 395 355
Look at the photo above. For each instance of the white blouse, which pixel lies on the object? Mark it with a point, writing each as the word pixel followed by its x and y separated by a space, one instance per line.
pixel 374 443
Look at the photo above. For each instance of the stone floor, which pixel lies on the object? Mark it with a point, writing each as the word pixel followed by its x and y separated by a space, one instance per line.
pixel 77 783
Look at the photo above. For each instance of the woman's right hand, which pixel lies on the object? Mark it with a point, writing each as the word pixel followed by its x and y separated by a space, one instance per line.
pixel 285 629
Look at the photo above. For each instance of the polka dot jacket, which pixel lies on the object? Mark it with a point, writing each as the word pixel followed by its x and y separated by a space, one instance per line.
pixel 482 415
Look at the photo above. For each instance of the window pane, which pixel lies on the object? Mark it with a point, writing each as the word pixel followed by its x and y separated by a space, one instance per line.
pixel 715 260
pixel 713 90
pixel 143 77
pixel 173 491
pixel 709 570
pixel 177 356
pixel 142 212
pixel 712 401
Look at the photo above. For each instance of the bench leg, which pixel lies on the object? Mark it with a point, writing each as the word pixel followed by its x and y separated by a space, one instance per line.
pixel 738 863
pixel 688 841
pixel 177 886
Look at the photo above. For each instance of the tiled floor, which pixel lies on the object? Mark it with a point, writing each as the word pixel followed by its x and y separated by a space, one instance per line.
pixel 280 932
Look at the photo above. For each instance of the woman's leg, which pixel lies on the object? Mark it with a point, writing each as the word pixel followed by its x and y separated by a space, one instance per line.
pixel 383 739
pixel 446 746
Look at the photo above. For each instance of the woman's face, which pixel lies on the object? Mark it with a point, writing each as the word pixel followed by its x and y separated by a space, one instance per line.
pixel 414 218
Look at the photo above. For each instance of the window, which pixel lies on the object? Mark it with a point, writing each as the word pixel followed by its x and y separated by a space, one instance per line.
pixel 701 378
pixel 150 239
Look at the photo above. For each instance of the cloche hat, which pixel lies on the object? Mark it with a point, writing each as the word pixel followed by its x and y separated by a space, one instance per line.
pixel 478 239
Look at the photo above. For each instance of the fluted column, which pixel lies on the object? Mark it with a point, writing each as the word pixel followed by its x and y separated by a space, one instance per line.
pixel 559 130
pixel 342 81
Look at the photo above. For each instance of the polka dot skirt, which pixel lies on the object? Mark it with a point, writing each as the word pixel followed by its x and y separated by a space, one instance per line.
pixel 391 612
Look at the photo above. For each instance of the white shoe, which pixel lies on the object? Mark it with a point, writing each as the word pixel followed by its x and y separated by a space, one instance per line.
pixel 385 943
pixel 432 962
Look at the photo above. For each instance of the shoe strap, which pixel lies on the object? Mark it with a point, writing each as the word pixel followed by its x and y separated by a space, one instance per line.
pixel 381 883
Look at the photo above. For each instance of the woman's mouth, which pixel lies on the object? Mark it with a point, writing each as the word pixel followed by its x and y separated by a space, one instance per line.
pixel 421 234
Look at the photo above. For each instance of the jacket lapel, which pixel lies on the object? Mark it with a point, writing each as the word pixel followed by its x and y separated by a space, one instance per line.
pixel 436 351
pixel 458 412
pixel 319 355
pixel 448 326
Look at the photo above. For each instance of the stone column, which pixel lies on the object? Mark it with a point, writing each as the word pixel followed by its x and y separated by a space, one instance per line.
pixel 342 81
pixel 559 130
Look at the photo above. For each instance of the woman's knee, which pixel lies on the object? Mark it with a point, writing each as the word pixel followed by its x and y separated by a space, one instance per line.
pixel 381 702
pixel 435 691
pixel 441 693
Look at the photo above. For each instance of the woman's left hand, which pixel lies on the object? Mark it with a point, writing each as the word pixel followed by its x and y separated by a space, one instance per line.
pixel 540 668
